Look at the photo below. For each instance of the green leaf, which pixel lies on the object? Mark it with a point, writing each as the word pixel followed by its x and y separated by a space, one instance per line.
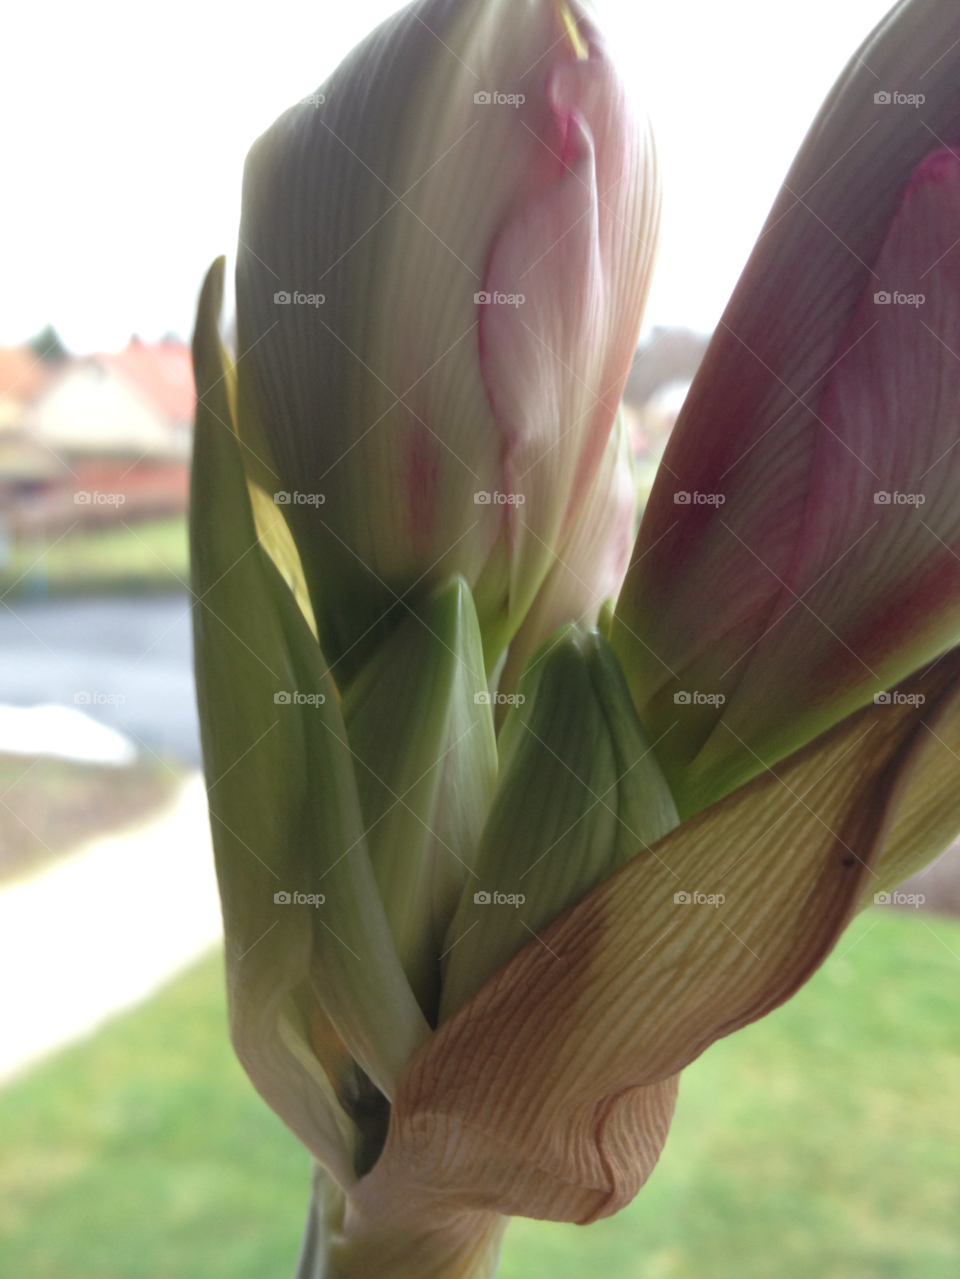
pixel 284 811
pixel 580 793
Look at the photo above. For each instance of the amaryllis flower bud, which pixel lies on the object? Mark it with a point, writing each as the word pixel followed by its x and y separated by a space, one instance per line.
pixel 518 943
pixel 801 550
pixel 443 261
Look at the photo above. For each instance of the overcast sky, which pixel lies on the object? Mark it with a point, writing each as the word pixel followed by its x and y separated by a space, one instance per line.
pixel 125 129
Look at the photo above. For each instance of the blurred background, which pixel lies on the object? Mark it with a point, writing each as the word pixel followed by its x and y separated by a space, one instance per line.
pixel 821 1143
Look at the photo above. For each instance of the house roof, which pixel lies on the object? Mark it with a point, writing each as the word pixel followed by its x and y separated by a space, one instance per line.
pixel 161 371
pixel 130 405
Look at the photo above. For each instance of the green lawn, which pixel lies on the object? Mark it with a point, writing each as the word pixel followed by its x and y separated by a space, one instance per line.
pixel 821 1143
pixel 148 555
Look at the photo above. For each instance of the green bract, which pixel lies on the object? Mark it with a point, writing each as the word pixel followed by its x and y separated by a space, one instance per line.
pixel 426 761
pixel 285 813
pixel 580 792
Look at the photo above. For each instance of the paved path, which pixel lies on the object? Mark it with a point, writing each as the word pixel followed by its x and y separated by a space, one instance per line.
pixel 102 931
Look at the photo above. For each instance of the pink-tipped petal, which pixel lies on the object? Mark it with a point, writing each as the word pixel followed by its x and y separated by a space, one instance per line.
pixel 757 441
pixel 874 588
pixel 580 255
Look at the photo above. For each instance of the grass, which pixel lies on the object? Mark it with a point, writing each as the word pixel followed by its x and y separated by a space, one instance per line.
pixel 148 555
pixel 820 1143
pixel 145 1152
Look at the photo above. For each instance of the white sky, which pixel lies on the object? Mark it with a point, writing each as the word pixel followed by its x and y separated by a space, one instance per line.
pixel 125 126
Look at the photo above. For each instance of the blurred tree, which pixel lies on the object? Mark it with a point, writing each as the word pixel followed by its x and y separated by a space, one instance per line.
pixel 47 346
